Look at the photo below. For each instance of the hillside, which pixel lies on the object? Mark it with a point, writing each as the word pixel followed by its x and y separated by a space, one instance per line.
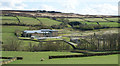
pixel 49 14
pixel 80 39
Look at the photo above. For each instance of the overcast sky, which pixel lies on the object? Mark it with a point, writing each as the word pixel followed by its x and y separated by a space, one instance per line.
pixel 98 7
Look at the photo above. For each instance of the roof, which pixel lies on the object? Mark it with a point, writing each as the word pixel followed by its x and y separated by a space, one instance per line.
pixel 46 30
pixel 39 31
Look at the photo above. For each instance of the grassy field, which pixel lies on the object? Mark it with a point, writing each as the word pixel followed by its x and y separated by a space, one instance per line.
pixel 29 20
pixel 9 19
pixel 95 19
pixel 113 19
pixel 49 22
pixel 25 43
pixel 109 24
pixel 8 31
pixel 3 59
pixel 66 38
pixel 11 29
pixel 49 39
pixel 34 58
pixel 76 19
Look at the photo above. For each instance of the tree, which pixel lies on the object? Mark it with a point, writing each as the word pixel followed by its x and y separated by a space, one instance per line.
pixel 30 47
pixel 18 33
pixel 13 44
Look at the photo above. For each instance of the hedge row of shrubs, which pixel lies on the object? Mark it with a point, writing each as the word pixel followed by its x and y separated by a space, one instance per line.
pixel 86 55
pixel 18 58
pixel 89 27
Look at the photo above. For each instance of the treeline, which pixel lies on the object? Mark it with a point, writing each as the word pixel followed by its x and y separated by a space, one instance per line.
pixel 89 27
pixel 50 46
pixel 105 42
pixel 79 26
pixel 13 44
pixel 44 11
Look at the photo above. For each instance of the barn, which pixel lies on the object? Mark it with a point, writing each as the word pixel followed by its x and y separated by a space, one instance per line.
pixel 40 33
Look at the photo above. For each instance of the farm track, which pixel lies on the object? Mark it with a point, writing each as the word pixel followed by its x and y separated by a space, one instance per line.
pixel 71 43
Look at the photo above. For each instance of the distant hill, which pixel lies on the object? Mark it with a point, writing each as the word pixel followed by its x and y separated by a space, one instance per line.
pixel 44 13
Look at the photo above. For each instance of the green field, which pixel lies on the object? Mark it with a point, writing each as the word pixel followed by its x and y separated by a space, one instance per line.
pixel 9 19
pixel 94 19
pixel 76 19
pixel 109 24
pixel 34 58
pixel 49 22
pixel 11 29
pixel 29 20
pixel 3 59
pixel 112 19
pixel 106 23
pixel 8 31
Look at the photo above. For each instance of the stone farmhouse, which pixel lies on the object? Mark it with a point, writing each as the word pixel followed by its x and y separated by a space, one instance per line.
pixel 40 33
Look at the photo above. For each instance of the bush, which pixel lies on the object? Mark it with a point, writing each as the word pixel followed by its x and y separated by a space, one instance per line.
pixel 74 23
pixel 61 26
pixel 18 33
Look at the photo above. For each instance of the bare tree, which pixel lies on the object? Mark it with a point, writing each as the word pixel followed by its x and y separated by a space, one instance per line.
pixel 13 44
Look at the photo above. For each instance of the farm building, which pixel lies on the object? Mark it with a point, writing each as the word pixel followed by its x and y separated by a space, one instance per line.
pixel 40 33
